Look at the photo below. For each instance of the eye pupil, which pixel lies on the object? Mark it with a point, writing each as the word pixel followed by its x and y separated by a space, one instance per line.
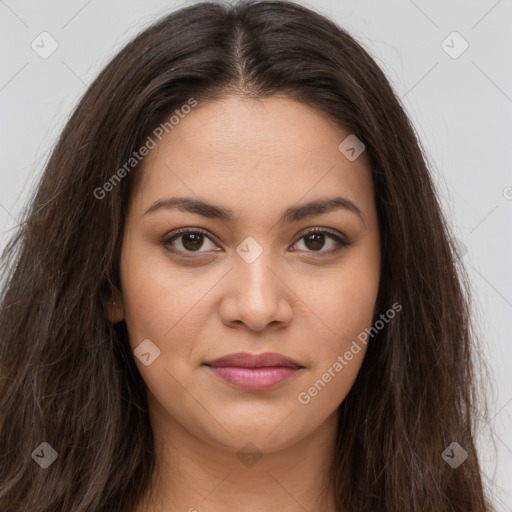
pixel 316 238
pixel 197 241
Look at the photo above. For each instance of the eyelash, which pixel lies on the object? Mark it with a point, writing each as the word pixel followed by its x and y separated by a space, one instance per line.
pixel 166 242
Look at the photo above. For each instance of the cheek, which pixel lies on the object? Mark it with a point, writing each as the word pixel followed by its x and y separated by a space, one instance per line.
pixel 340 343
pixel 339 352
pixel 149 308
pixel 164 307
pixel 346 307
pixel 157 298
pixel 347 304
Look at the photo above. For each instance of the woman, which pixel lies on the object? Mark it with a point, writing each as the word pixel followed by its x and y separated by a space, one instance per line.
pixel 234 288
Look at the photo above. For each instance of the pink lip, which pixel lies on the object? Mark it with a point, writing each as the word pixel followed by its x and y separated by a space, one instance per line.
pixel 254 379
pixel 254 372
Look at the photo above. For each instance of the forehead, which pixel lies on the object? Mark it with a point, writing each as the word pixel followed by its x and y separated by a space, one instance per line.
pixel 259 152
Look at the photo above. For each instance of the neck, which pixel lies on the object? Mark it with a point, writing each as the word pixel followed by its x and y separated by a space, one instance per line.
pixel 192 474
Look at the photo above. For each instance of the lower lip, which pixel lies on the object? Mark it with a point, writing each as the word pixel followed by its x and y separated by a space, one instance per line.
pixel 254 379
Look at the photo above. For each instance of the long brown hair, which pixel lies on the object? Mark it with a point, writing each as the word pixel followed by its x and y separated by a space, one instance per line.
pixel 67 375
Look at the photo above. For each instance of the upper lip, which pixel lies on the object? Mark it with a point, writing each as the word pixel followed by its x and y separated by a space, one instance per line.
pixel 248 360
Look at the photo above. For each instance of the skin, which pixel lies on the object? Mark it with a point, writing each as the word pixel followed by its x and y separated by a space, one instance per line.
pixel 257 158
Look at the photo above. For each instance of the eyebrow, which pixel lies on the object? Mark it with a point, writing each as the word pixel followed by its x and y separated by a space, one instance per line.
pixel 292 214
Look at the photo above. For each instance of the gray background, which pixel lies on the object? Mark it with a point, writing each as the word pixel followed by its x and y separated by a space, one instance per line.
pixel 461 108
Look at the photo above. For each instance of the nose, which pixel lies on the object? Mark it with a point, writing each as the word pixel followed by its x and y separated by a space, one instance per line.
pixel 256 295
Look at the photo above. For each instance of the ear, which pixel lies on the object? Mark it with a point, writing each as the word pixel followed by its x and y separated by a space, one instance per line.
pixel 115 307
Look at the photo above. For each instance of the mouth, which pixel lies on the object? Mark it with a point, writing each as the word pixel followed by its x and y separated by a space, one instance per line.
pixel 254 372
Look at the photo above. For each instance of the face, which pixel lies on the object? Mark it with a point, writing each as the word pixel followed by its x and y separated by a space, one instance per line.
pixel 242 275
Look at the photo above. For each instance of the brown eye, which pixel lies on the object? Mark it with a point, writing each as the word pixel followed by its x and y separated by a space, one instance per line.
pixel 192 241
pixel 316 240
pixel 188 241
